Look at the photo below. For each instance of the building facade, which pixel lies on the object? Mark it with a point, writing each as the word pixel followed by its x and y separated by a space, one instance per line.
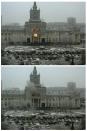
pixel 36 96
pixel 36 31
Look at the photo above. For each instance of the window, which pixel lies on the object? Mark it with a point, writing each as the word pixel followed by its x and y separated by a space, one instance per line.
pixel 5 103
pixel 5 38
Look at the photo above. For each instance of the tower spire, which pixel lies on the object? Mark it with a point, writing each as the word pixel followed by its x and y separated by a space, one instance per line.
pixel 34 77
pixel 34 71
pixel 34 6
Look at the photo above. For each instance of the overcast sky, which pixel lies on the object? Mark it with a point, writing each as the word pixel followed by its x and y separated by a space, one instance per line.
pixel 18 12
pixel 51 76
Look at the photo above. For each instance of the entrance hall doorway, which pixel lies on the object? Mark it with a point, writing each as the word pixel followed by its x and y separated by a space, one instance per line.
pixel 43 105
pixel 36 102
pixel 28 40
pixel 43 40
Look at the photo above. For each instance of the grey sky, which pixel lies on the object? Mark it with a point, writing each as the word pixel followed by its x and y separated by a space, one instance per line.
pixel 50 76
pixel 13 12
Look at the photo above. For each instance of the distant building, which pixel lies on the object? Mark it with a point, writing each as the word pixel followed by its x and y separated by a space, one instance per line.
pixel 71 85
pixel 36 31
pixel 37 96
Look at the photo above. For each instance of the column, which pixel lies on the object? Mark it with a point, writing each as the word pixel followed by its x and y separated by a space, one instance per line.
pixel 32 102
pixel 39 102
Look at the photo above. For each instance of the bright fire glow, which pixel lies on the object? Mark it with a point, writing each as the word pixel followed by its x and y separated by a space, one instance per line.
pixel 35 35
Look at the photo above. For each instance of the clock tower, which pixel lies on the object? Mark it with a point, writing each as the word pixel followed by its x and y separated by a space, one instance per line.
pixel 35 78
pixel 34 14
pixel 35 29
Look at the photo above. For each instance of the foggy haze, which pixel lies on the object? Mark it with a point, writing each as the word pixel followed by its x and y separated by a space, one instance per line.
pixel 19 12
pixel 16 77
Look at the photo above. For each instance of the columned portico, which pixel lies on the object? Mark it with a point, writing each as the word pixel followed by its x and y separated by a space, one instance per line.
pixel 35 35
pixel 35 102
